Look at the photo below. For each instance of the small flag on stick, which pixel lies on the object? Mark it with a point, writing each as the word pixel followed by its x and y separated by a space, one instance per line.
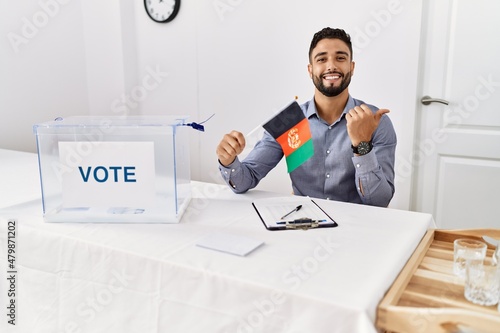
pixel 291 129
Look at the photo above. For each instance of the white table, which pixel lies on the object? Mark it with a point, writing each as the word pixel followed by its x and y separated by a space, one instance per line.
pixel 153 278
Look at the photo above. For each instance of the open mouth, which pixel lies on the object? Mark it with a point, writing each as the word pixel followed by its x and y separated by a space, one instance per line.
pixel 332 76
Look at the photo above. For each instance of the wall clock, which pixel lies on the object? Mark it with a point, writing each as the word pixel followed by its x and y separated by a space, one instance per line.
pixel 162 11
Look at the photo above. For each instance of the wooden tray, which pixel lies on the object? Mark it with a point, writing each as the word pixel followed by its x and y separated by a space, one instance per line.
pixel 428 297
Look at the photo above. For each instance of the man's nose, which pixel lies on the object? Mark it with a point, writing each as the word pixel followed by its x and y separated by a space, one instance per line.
pixel 331 66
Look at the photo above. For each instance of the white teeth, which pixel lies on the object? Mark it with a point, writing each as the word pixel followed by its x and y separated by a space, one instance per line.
pixel 332 77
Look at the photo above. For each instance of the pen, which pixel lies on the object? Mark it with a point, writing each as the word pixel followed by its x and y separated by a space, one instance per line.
pixel 296 209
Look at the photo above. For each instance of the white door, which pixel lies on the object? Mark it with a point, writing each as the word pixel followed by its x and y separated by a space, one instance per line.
pixel 457 154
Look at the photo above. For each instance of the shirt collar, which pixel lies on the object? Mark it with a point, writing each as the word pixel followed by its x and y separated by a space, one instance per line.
pixel 311 107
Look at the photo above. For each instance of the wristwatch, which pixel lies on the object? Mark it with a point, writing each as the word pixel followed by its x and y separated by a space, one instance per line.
pixel 363 148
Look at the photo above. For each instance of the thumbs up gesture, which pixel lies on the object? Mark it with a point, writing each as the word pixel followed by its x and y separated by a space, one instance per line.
pixel 362 122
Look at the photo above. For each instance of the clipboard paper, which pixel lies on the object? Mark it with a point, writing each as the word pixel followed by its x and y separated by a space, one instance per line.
pixel 309 216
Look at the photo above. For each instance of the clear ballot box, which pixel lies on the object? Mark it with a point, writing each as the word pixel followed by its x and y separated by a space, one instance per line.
pixel 133 169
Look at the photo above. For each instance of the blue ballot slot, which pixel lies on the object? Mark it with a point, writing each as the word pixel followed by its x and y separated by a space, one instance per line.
pixel 114 169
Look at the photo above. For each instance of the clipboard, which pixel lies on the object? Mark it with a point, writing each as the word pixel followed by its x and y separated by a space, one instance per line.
pixel 283 213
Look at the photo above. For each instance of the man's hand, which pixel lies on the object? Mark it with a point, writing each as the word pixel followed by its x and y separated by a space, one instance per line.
pixel 362 122
pixel 231 145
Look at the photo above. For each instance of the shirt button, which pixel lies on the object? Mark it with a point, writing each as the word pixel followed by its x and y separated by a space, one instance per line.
pixel 328 151
pixel 232 170
pixel 225 172
pixel 358 165
pixel 327 175
pixel 329 127
pixel 327 198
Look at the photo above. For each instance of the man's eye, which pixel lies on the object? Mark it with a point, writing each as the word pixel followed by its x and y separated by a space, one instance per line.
pixel 321 59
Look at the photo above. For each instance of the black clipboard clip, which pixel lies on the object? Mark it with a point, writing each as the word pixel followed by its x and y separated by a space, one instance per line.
pixel 302 223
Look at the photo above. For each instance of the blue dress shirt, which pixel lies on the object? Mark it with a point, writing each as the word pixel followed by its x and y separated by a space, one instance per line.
pixel 333 172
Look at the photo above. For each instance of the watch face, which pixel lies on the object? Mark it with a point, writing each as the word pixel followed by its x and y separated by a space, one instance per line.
pixel 162 11
pixel 364 148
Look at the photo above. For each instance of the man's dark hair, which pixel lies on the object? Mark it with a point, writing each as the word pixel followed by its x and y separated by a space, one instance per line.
pixel 333 34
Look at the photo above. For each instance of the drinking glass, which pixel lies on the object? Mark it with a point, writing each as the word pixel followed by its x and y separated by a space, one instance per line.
pixel 467 250
pixel 482 284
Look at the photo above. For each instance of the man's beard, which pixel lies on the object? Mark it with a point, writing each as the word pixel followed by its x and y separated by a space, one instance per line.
pixel 332 91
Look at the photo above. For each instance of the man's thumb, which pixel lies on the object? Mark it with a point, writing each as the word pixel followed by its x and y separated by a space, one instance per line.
pixel 380 113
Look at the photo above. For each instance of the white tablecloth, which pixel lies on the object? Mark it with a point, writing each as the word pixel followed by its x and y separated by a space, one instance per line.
pixel 153 278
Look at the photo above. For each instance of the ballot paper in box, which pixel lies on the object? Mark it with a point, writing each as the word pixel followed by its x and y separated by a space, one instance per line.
pixel 132 169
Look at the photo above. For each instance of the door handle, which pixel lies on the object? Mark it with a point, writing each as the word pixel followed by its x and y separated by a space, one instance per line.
pixel 426 100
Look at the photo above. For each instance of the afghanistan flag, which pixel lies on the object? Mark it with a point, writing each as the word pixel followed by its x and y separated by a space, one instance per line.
pixel 291 129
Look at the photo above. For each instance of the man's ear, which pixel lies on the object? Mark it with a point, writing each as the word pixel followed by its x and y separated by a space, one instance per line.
pixel 309 69
pixel 353 64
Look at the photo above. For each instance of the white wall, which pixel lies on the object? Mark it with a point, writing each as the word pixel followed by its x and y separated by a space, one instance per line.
pixel 43 67
pixel 241 60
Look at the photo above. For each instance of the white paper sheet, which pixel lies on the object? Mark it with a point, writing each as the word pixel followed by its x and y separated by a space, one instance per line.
pixel 229 243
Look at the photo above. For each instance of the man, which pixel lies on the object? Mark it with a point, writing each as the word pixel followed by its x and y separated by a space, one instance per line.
pixel 354 143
